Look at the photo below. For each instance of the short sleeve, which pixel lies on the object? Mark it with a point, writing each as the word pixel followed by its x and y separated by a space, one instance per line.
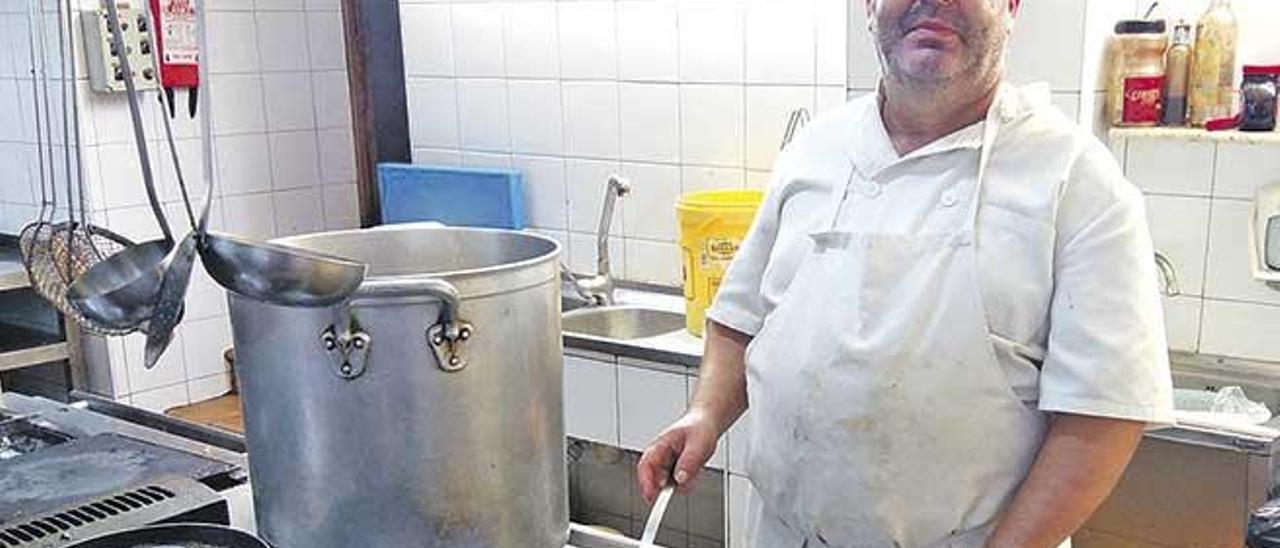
pixel 1107 351
pixel 739 304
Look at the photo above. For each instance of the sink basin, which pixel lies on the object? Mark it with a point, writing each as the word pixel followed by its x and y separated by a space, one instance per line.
pixel 571 303
pixel 622 322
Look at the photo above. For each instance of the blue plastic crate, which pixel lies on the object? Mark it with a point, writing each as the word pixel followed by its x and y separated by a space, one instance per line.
pixel 491 198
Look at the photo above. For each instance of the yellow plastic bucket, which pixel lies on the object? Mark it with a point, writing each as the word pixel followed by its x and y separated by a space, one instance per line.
pixel 713 224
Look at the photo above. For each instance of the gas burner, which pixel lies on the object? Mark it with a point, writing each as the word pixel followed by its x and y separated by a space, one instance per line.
pixel 20 435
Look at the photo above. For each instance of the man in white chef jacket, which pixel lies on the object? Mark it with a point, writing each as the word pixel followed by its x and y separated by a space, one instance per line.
pixel 945 319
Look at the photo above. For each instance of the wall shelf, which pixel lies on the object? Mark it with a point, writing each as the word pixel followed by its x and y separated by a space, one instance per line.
pixel 1196 135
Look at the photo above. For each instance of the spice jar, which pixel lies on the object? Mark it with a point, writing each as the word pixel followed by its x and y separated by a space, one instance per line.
pixel 1177 70
pixel 1136 77
pixel 1259 94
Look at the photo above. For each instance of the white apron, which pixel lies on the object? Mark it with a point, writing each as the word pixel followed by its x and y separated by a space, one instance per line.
pixel 880 416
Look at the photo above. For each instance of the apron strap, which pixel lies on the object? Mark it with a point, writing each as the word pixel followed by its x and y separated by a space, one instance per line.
pixel 990 129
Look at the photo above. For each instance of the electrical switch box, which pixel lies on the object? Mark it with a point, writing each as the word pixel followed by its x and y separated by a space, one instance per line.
pixel 106 72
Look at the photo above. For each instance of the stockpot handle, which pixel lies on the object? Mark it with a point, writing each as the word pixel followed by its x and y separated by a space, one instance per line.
pixel 446 337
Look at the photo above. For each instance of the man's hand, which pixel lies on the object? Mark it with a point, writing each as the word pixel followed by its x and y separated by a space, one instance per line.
pixel 688 443
pixel 1079 464
pixel 721 397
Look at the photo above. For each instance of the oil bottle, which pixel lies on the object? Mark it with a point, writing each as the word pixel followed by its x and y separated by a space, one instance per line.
pixel 1177 70
pixel 1213 67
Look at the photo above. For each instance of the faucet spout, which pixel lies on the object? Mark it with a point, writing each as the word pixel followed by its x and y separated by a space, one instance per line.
pixel 617 188
pixel 1168 276
pixel 598 289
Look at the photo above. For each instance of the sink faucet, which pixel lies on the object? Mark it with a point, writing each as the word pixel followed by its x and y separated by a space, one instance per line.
pixel 1168 276
pixel 796 120
pixel 597 290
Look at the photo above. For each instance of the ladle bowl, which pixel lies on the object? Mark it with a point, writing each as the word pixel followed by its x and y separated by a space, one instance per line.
pixel 121 291
pixel 278 274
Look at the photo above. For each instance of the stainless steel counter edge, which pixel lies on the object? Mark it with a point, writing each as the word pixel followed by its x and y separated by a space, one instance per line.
pixel 632 349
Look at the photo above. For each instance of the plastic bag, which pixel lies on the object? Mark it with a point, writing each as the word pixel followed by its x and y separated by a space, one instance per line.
pixel 1229 403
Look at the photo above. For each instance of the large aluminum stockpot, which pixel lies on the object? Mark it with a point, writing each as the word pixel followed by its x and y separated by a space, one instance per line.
pixel 424 411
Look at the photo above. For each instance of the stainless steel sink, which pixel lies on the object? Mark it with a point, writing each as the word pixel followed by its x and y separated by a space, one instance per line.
pixel 622 322
pixel 571 303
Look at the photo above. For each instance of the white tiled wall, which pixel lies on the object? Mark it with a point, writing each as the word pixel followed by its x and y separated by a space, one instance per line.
pixel 282 158
pixel 678 95
pixel 19 188
pixel 1199 206
pixel 591 399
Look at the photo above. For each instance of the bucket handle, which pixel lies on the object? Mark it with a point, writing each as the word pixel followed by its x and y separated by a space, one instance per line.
pixel 448 335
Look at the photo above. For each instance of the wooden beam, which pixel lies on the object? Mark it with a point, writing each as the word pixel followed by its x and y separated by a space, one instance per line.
pixel 375 77
pixel 18 359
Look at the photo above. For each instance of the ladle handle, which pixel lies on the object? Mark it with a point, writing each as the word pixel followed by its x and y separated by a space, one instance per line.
pixel 135 114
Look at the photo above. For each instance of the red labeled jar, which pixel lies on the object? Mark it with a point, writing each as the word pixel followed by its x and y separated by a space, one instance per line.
pixel 1136 84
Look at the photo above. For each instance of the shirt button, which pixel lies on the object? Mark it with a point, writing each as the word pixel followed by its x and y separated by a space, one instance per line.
pixel 871 190
pixel 949 200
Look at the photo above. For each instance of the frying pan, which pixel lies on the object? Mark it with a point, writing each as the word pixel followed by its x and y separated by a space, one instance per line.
pixel 177 535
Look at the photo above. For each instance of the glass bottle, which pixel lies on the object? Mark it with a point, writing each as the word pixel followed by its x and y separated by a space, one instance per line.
pixel 1213 67
pixel 1177 69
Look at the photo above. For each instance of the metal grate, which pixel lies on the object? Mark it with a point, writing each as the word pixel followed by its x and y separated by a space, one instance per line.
pixel 61 524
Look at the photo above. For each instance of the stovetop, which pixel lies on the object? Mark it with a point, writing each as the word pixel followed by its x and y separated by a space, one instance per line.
pixel 54 455
pixel 60 475
pixel 87 438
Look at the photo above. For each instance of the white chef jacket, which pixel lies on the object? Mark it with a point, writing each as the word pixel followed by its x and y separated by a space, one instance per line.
pixel 1068 279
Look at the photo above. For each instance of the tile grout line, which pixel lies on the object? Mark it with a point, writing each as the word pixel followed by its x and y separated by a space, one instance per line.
pixel 743 9
pixel 565 188
pixel 266 122
pixel 455 80
pixel 1207 248
pixel 620 213
pixel 315 119
pixel 1240 301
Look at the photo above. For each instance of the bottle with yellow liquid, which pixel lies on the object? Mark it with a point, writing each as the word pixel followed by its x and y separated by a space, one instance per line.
pixel 1212 92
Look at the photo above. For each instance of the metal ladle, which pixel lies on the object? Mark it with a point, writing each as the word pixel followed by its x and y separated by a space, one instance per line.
pixel 121 291
pixel 269 272
pixel 277 274
pixel 169 305
pixel 168 309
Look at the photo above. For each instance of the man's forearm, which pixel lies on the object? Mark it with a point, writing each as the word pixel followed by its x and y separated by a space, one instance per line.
pixel 1079 464
pixel 722 379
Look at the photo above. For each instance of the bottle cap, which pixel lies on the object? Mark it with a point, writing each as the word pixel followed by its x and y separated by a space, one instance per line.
pixel 1264 70
pixel 1141 26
